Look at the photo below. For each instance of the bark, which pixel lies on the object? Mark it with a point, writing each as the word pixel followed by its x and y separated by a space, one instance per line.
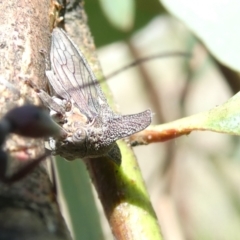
pixel 28 208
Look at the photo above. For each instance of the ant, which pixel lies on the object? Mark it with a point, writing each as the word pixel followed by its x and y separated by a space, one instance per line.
pixel 27 121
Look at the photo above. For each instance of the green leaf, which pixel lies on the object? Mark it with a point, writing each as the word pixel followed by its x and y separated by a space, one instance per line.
pixel 215 22
pixel 120 13
pixel 223 119
pixel 76 188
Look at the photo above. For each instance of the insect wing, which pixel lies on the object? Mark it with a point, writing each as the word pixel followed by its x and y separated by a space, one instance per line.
pixel 74 74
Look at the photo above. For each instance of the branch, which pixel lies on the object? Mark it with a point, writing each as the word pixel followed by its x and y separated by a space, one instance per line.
pixel 28 208
pixel 121 190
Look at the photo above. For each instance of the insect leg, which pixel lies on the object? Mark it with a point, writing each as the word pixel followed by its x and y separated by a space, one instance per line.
pixel 58 110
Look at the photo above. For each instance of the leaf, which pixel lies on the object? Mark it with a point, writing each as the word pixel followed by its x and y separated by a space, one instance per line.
pixel 120 13
pixel 215 22
pixel 223 119
pixel 79 199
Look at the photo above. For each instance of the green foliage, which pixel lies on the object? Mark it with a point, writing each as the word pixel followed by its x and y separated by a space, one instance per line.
pixel 120 13
pixel 104 31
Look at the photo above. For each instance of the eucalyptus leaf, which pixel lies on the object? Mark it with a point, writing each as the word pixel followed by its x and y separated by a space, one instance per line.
pixel 215 22
pixel 224 118
pixel 120 13
pixel 79 199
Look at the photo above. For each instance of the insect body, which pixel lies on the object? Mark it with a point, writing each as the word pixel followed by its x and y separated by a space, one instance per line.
pixel 31 200
pixel 92 128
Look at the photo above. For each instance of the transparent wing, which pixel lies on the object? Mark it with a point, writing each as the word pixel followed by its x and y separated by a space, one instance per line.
pixel 74 75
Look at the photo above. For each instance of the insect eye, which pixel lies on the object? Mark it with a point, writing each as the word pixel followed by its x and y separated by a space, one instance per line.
pixel 79 136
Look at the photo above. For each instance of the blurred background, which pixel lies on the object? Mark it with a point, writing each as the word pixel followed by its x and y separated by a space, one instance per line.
pixel 193 181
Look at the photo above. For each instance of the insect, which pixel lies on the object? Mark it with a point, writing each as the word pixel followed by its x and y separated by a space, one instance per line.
pixel 33 198
pixel 91 127
pixel 28 121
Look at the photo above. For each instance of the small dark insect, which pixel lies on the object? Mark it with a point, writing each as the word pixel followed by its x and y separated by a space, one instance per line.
pixel 91 127
pixel 27 121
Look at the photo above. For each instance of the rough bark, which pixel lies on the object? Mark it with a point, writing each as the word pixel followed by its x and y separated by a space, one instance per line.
pixel 28 208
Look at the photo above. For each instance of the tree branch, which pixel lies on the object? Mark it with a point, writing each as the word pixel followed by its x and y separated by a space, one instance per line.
pixel 121 190
pixel 28 208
